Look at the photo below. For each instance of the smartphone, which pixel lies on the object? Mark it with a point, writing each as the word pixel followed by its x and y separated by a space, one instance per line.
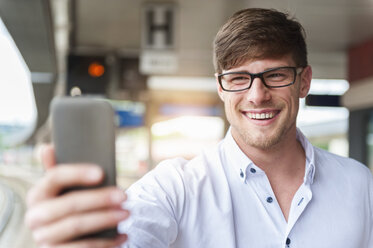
pixel 83 131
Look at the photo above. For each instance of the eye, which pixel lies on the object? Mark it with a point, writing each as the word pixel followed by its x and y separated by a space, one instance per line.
pixel 275 75
pixel 238 79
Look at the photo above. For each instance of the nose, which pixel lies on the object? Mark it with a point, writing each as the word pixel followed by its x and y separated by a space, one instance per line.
pixel 258 93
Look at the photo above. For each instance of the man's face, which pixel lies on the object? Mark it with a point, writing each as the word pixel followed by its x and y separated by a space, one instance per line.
pixel 263 117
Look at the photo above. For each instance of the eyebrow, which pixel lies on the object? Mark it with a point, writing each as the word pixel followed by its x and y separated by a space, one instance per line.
pixel 266 69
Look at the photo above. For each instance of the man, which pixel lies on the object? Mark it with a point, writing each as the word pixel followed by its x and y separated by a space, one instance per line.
pixel 264 185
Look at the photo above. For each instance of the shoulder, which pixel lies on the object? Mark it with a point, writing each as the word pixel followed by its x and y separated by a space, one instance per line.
pixel 170 184
pixel 175 173
pixel 325 157
pixel 166 177
pixel 200 164
pixel 338 165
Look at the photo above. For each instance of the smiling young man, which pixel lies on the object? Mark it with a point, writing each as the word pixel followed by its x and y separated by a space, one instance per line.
pixel 264 185
pixel 262 111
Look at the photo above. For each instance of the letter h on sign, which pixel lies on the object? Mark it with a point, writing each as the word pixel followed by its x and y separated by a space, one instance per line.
pixel 159 21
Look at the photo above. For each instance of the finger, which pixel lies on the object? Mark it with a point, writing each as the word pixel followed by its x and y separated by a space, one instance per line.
pixel 73 203
pixel 63 177
pixel 48 157
pixel 94 243
pixel 76 226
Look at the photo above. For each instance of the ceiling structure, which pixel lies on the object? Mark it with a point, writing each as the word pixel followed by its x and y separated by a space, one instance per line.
pixel 332 26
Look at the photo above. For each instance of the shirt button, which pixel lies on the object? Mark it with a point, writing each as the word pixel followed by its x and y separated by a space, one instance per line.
pixel 269 199
pixel 252 170
pixel 288 241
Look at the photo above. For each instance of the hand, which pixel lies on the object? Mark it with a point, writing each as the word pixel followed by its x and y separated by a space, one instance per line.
pixel 57 220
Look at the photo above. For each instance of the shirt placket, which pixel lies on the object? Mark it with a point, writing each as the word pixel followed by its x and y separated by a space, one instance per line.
pixel 259 182
pixel 300 201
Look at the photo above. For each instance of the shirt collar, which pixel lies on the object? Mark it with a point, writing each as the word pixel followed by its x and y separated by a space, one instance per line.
pixel 310 157
pixel 243 165
pixel 235 157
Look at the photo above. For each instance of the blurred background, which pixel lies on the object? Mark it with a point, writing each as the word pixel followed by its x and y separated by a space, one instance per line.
pixel 153 61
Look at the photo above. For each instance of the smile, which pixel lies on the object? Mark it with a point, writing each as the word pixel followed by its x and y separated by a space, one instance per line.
pixel 262 116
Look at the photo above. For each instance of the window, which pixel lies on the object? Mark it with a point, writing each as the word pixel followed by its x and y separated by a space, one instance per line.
pixel 17 104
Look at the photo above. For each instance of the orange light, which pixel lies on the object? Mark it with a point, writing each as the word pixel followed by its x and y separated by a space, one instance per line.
pixel 96 69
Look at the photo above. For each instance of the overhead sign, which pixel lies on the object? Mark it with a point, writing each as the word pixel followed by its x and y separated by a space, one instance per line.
pixel 158 54
pixel 158 62
pixel 158 26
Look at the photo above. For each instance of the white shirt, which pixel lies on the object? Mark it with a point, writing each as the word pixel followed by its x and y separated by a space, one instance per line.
pixel 222 199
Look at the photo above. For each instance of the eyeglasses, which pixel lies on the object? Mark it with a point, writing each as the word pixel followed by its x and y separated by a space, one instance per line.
pixel 272 78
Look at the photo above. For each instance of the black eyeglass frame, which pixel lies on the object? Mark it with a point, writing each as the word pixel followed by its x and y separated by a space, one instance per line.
pixel 260 75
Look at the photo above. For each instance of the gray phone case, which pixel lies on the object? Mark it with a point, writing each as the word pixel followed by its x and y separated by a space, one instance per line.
pixel 83 131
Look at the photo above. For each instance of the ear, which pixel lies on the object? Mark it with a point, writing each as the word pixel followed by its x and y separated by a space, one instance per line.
pixel 305 81
pixel 220 90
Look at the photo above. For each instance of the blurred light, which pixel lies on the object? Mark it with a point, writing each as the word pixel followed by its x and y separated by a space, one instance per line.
pixel 185 136
pixel 328 87
pixel 199 127
pixel 205 84
pixel 96 69
pixel 75 91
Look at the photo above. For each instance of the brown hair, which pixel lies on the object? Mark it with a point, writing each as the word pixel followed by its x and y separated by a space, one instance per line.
pixel 258 33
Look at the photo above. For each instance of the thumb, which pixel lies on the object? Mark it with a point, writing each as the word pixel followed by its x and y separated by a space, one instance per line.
pixel 48 157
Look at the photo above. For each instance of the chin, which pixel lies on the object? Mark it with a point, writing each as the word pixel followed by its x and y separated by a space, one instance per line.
pixel 262 141
pixel 265 143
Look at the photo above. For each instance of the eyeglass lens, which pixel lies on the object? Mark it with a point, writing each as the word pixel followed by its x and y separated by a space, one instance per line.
pixel 273 78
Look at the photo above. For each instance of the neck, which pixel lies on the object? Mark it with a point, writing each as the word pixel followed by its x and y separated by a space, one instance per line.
pixel 283 158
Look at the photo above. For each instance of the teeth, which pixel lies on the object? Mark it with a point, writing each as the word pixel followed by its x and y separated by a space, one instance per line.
pixel 261 116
